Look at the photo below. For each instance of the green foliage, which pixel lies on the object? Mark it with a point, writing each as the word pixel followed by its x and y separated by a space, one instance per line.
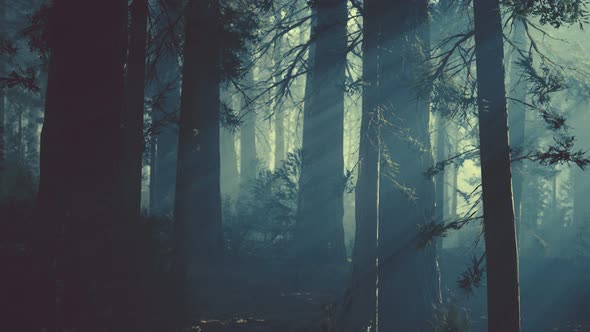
pixel 450 316
pixel 229 118
pixel 262 222
pixel 37 32
pixel 473 276
pixel 562 152
pixel 552 12
pixel 240 22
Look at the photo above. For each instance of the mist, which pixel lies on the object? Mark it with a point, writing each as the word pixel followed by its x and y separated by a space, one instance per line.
pixel 289 165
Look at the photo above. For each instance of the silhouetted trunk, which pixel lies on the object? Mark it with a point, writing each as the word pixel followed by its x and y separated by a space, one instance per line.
pixel 166 92
pixel 132 121
pixel 197 210
pixel 319 233
pixel 408 273
pixel 248 156
pixel 360 308
pixel 78 194
pixel 516 118
pixel 500 232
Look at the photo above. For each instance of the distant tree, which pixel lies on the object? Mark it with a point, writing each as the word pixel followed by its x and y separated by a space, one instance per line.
pixel 230 177
pixel 319 233
pixel 516 115
pixel 408 276
pixel 248 155
pixel 164 90
pixel 279 117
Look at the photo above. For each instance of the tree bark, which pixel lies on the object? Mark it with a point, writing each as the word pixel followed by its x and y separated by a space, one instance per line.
pixel 516 119
pixel 132 121
pixel 230 177
pixel 78 228
pixel 360 311
pixel 279 154
pixel 500 232
pixel 440 177
pixel 319 233
pixel 197 211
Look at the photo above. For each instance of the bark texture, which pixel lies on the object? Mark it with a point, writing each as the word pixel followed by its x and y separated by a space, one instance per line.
pixel 408 273
pixel 319 233
pixel 516 119
pixel 500 231
pixel 360 309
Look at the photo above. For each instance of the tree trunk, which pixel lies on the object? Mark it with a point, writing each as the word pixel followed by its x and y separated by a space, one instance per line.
pixel 279 139
pixel 165 113
pixel 280 153
pixel 248 156
pixel 197 211
pixel 440 177
pixel 319 233
pixel 230 177
pixel 408 276
pixel 581 178
pixel 516 119
pixel 500 232
pixel 132 121
pixel 360 310
pixel 78 193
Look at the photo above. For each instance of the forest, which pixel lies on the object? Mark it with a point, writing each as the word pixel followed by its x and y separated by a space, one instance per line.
pixel 294 165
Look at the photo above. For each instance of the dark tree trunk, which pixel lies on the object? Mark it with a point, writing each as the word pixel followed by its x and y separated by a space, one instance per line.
pixel 360 310
pixel 248 156
pixel 165 113
pixel 500 233
pixel 408 274
pixel 78 199
pixel 319 233
pixel 516 119
pixel 197 211
pixel 132 121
